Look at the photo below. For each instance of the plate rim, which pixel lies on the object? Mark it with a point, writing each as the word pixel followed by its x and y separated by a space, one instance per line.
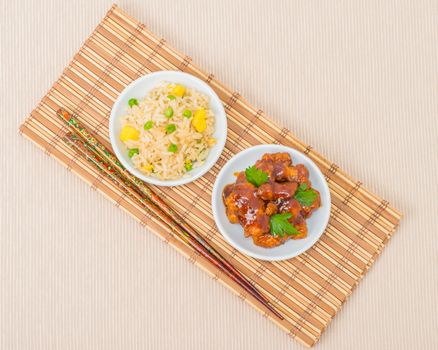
pixel 216 191
pixel 183 180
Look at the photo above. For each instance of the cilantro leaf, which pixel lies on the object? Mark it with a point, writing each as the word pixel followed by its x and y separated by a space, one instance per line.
pixel 279 225
pixel 255 176
pixel 302 186
pixel 305 196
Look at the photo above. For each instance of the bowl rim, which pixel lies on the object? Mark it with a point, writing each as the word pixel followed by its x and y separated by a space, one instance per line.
pixel 218 192
pixel 204 168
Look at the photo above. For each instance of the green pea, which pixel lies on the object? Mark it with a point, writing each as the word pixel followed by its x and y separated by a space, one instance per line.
pixel 168 112
pixel 148 125
pixel 171 97
pixel 170 128
pixel 188 166
pixel 132 102
pixel 172 148
pixel 187 113
pixel 132 152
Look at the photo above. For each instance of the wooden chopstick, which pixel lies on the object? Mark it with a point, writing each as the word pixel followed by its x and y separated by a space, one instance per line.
pixel 81 131
pixel 105 153
pixel 81 148
pixel 93 151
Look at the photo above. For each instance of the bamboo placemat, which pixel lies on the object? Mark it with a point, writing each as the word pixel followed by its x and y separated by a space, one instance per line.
pixel 309 289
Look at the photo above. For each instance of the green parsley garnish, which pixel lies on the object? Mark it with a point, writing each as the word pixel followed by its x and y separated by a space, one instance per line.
pixel 132 102
pixel 132 152
pixel 170 128
pixel 255 176
pixel 172 148
pixel 148 125
pixel 279 225
pixel 305 196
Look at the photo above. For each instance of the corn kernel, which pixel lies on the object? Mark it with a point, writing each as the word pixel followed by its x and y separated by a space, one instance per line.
pixel 148 167
pixel 179 90
pixel 199 120
pixel 129 133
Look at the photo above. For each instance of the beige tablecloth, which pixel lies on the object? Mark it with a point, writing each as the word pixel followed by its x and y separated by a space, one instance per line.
pixel 355 79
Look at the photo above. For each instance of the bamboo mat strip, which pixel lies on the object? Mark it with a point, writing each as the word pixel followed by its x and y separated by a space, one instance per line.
pixel 309 289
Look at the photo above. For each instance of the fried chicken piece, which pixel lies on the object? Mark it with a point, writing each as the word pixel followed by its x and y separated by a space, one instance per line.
pixel 258 226
pixel 266 166
pixel 290 205
pixel 303 175
pixel 237 198
pixel 244 207
pixel 282 161
pixel 297 173
pixel 241 177
pixel 232 210
pixel 271 209
pixel 274 163
pixel 280 157
pixel 290 173
pixel 267 241
pixel 273 190
pixel 300 224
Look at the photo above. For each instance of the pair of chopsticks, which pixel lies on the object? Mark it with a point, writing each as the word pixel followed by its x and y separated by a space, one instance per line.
pixel 88 148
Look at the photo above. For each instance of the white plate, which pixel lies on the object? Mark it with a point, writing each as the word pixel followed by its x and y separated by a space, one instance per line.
pixel 138 89
pixel 233 233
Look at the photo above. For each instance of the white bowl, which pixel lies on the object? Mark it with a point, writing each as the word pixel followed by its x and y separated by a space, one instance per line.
pixel 233 233
pixel 138 89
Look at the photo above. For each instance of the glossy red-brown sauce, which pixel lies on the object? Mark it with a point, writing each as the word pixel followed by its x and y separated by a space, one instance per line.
pixel 252 206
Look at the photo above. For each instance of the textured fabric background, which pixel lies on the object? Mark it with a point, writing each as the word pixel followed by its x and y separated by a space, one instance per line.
pixel 355 79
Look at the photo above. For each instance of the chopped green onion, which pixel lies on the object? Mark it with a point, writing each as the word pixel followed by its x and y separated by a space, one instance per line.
pixel 187 113
pixel 132 102
pixel 168 112
pixel 172 148
pixel 148 125
pixel 132 152
pixel 171 97
pixel 170 128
